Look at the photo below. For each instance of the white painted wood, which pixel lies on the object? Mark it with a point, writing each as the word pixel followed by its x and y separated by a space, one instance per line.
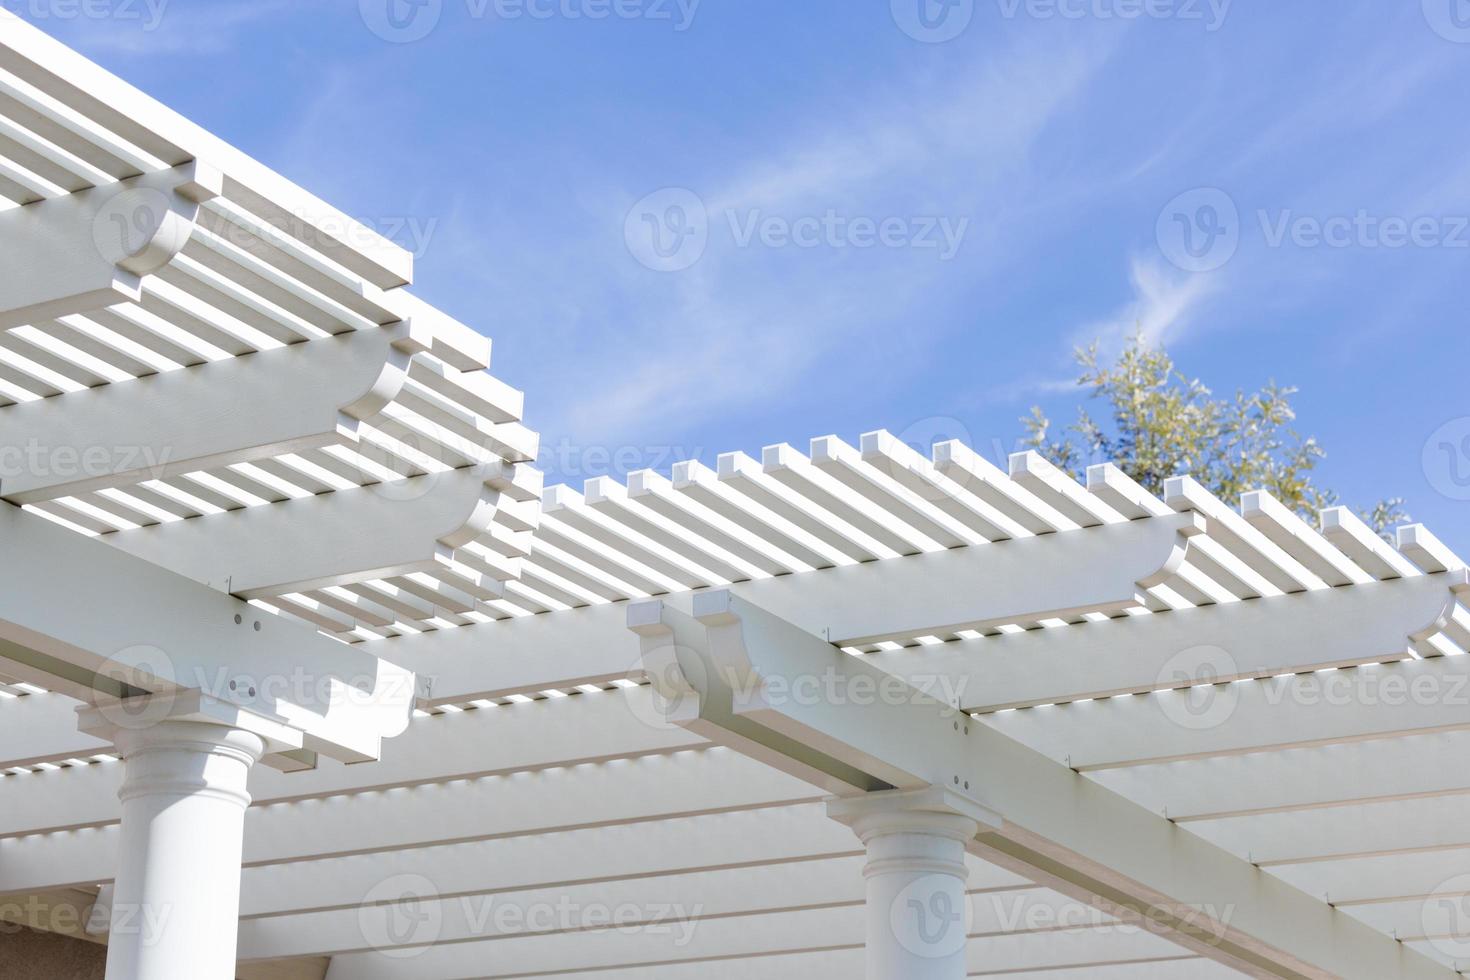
pixel 1068 833
pixel 624 791
pixel 1259 638
pixel 471 744
pixel 159 630
pixel 175 904
pixel 157 133
pixel 1298 778
pixel 729 938
pixel 325 540
pixel 1431 823
pixel 1374 701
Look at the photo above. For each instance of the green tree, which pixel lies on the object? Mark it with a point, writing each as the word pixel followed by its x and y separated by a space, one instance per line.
pixel 1165 424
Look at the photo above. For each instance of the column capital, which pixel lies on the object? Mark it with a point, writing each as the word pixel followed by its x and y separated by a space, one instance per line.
pixel 154 717
pixel 934 810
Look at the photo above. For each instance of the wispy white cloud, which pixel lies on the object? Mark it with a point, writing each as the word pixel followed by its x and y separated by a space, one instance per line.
pixel 742 325
pixel 1164 305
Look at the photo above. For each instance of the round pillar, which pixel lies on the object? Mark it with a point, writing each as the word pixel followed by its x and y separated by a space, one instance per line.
pixel 176 902
pixel 917 911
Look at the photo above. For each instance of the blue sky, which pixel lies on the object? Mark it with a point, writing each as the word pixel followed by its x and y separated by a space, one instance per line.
pixel 880 220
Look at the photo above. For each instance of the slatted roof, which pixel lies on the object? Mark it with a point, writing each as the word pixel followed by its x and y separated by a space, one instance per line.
pixel 270 279
pixel 368 477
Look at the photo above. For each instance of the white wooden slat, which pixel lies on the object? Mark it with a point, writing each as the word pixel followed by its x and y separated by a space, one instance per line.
pixel 1246 543
pixel 751 936
pixel 1030 470
pixel 630 790
pixel 702 485
pixel 1254 715
pixel 682 903
pixel 744 547
pixel 1300 836
pixel 1421 547
pixel 1272 518
pixel 883 532
pixel 578 730
pixel 1356 540
pixel 41 728
pixel 979 476
pixel 1298 778
pixel 68 129
pixel 60 166
pixel 925 525
pixel 753 837
pixel 908 467
pixel 1133 655
pixel 1372 879
pixel 746 476
pixel 600 525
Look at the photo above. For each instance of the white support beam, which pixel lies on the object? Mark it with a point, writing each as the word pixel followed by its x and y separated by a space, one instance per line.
pixel 632 790
pixel 991 584
pixel 524 655
pixel 1257 638
pixel 334 539
pixel 150 629
pixel 471 744
pixel 291 399
pixel 1375 701
pixel 1059 828
pixel 90 250
pixel 1059 576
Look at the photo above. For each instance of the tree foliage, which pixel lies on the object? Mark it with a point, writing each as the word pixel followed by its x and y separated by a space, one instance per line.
pixel 1161 423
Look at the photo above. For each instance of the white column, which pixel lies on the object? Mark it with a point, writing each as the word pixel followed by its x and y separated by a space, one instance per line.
pixel 176 903
pixel 917 910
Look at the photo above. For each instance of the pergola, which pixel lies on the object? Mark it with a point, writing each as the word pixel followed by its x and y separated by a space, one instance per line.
pixel 305 675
